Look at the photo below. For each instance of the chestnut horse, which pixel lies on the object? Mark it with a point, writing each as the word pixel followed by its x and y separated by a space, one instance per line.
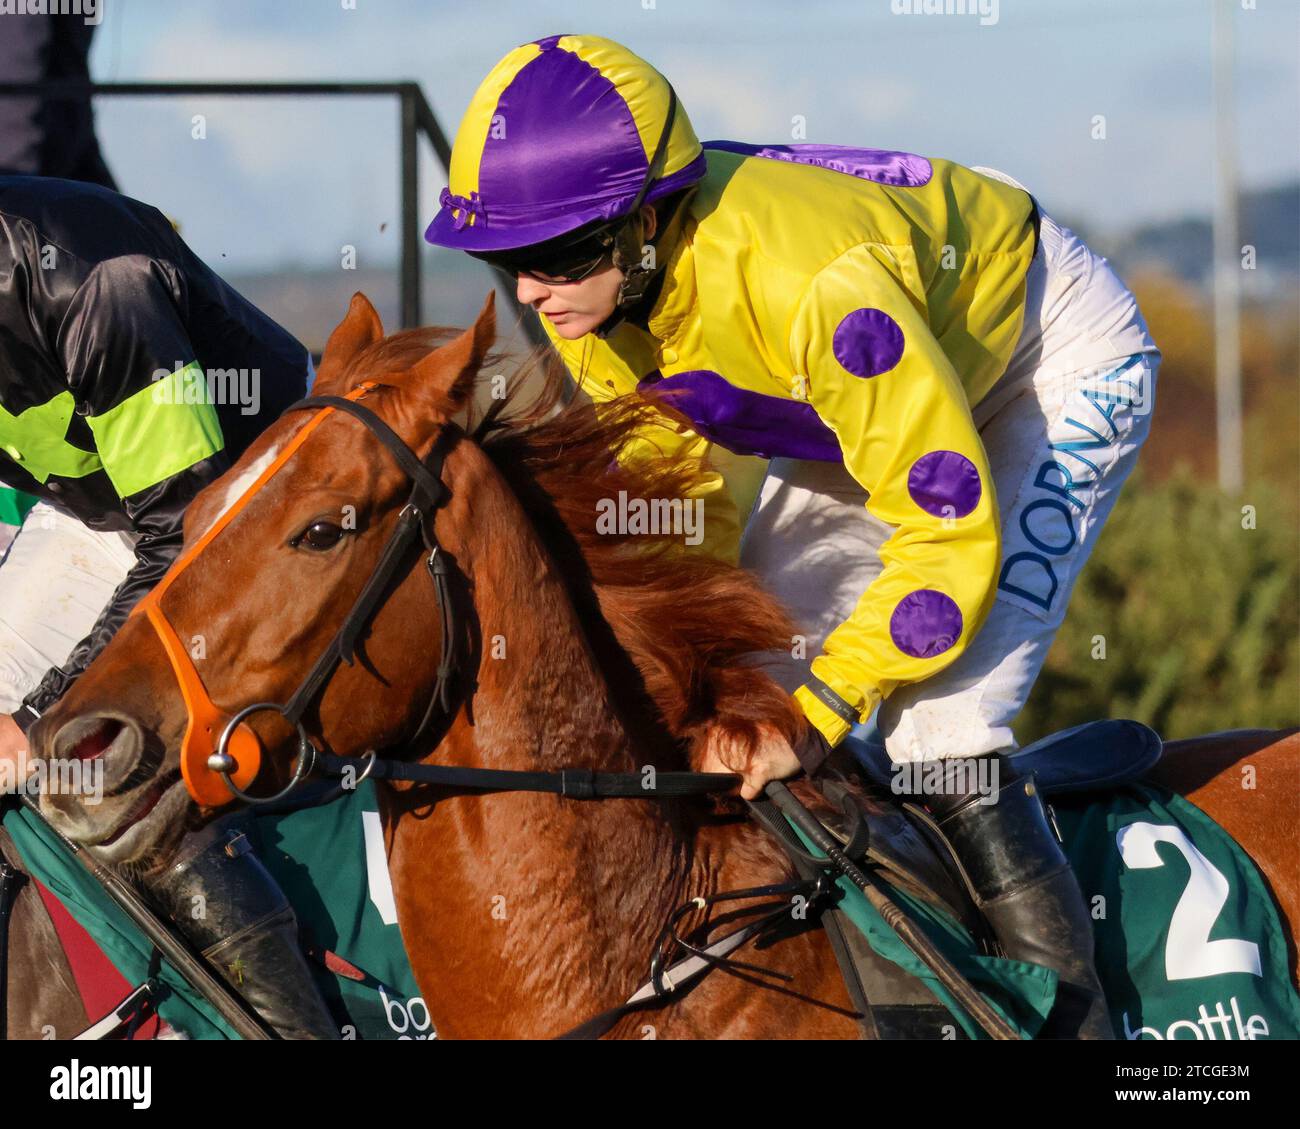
pixel 524 914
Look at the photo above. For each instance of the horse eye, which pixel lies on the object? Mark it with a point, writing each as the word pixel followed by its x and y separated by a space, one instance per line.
pixel 320 535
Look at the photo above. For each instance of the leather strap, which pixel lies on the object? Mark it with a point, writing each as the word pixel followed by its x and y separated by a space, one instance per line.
pixel 571 783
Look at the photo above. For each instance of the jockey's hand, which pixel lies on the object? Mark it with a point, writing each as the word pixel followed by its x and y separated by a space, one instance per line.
pixel 13 743
pixel 772 759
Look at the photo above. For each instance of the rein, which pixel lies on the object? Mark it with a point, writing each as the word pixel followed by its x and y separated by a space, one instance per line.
pixel 571 783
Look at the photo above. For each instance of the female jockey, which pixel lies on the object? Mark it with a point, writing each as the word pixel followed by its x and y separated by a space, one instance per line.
pixel 950 388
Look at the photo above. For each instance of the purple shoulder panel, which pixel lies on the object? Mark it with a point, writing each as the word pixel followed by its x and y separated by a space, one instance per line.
pixel 748 423
pixel 884 166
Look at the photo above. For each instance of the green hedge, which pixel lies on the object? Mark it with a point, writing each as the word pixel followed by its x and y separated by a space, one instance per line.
pixel 1200 617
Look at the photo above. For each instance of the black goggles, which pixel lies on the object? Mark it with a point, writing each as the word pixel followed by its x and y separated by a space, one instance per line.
pixel 551 264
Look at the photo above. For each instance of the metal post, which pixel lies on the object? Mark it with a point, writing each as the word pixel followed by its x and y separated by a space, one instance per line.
pixel 1227 255
pixel 410 213
pixel 416 117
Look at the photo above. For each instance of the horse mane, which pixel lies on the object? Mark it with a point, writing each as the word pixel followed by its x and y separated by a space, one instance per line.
pixel 668 623
pixel 674 631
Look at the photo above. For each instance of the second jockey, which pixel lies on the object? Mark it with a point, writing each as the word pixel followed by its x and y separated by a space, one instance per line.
pixel 131 377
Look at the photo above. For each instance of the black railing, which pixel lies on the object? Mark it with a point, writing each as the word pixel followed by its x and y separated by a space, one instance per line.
pixel 416 117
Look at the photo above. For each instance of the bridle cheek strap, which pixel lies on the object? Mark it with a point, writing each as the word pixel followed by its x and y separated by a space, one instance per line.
pixel 205 720
pixel 203 725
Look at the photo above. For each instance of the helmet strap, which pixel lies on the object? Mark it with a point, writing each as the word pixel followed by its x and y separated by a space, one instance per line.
pixel 629 239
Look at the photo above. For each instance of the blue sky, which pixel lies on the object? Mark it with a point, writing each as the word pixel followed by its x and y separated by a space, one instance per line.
pixel 286 183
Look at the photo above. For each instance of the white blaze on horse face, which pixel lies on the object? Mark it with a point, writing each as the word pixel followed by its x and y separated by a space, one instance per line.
pixel 241 482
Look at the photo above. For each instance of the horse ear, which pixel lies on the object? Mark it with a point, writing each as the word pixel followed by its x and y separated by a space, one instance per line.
pixel 446 376
pixel 358 330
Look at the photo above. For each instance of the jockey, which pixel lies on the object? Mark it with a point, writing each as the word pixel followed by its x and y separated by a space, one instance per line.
pixel 950 389
pixel 131 376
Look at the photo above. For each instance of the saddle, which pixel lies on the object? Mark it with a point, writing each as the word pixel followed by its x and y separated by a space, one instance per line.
pixel 902 846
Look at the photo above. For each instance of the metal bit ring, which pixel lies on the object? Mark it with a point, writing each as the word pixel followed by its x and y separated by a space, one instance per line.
pixel 221 761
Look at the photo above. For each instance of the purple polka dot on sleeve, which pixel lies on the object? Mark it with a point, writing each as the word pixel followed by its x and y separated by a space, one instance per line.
pixel 945 484
pixel 925 624
pixel 868 342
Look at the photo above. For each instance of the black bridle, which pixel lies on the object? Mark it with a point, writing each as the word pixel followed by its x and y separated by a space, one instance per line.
pixel 415 522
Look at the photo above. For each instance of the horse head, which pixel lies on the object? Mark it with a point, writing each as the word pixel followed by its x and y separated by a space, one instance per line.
pixel 274 555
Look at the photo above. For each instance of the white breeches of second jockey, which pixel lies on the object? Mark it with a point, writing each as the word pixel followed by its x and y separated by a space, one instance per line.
pixel 56 578
pixel 1062 428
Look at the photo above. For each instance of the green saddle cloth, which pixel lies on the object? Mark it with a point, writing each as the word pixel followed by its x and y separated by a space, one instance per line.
pixel 330 862
pixel 1021 993
pixel 1189 941
pixel 1189 944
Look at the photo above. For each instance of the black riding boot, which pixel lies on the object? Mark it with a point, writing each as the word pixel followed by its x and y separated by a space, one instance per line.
pixel 227 904
pixel 1024 887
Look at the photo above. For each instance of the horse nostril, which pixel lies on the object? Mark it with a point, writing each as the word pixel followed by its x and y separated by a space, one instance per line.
pixel 86 738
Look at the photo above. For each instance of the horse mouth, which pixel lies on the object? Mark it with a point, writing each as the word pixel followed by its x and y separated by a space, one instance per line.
pixel 158 808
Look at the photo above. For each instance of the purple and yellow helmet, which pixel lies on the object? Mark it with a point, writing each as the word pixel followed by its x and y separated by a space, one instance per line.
pixel 561 134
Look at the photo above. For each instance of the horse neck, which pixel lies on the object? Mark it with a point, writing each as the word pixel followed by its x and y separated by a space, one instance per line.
pixel 590 882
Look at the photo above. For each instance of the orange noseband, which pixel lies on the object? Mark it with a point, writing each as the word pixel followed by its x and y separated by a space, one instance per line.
pixel 205 721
